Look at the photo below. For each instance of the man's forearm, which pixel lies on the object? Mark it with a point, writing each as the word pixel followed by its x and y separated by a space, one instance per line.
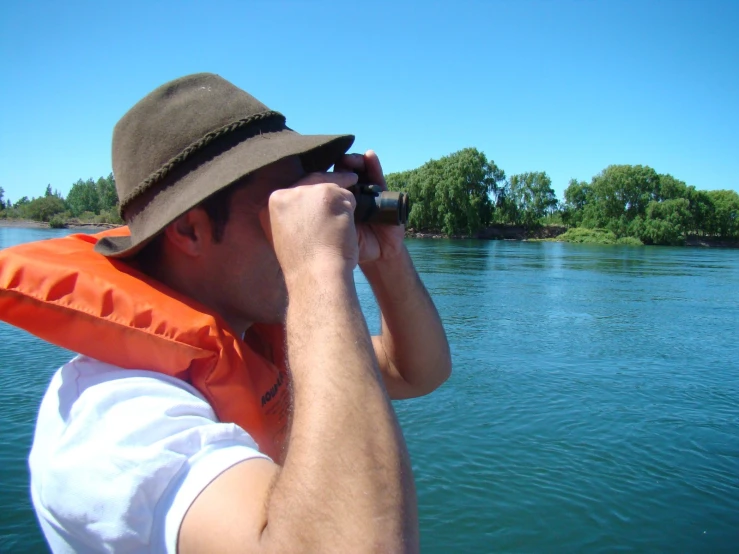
pixel 346 484
pixel 413 337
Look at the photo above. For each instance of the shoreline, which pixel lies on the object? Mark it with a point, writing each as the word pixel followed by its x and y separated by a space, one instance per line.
pixel 497 232
pixel 30 224
pixel 551 234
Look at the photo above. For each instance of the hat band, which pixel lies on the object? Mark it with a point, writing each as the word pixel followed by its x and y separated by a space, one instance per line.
pixel 270 117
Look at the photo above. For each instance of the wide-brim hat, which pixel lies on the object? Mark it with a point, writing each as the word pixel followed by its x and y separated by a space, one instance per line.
pixel 190 138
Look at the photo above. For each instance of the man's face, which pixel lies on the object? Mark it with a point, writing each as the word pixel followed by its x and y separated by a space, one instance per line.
pixel 247 278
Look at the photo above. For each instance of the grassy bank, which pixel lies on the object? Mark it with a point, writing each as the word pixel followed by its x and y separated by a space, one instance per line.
pixel 579 235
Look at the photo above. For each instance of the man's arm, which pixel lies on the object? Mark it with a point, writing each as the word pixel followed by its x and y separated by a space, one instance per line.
pixel 412 349
pixel 346 484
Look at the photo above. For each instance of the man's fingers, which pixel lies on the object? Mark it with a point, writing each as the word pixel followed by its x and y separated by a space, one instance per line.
pixel 367 166
pixel 350 162
pixel 342 179
pixel 374 169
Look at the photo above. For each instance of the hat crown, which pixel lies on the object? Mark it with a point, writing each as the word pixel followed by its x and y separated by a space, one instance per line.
pixel 162 126
pixel 191 138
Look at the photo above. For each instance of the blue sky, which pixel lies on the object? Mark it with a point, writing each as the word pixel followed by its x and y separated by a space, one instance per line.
pixel 566 87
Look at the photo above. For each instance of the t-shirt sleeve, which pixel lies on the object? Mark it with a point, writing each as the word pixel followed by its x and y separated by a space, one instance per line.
pixel 131 452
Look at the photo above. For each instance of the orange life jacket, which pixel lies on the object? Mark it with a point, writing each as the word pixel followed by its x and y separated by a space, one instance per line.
pixel 67 294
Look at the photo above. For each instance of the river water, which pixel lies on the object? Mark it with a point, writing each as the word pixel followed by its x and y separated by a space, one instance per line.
pixel 594 405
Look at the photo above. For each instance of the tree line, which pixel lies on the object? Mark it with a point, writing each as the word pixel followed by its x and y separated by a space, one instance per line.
pixel 464 192
pixel 88 201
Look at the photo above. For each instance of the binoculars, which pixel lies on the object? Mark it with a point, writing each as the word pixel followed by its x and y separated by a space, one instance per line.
pixel 381 207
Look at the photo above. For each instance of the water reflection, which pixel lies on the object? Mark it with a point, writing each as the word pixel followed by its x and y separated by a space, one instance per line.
pixel 447 256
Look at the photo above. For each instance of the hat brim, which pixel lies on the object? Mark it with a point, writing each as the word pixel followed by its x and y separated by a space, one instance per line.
pixel 318 153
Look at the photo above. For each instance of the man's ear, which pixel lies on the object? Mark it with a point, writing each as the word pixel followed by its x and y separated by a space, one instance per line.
pixel 190 233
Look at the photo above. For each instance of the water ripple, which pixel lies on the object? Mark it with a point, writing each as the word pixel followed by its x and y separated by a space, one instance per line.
pixel 594 404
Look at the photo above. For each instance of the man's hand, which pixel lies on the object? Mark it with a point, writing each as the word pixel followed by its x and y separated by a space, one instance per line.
pixel 376 242
pixel 311 224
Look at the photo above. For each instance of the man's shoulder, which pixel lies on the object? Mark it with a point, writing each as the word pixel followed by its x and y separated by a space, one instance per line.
pixel 119 454
pixel 82 373
pixel 92 400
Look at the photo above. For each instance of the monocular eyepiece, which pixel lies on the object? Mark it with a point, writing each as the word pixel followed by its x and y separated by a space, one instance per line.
pixel 382 207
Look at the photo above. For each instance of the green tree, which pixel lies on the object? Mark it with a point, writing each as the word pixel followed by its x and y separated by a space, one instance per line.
pixel 725 220
pixel 452 194
pixel 701 210
pixel 2 196
pixel 48 190
pixel 398 181
pixel 83 197
pixel 619 194
pixel 533 196
pixel 21 202
pixel 506 210
pixel 44 208
pixel 577 195
pixel 422 214
pixel 666 222
pixel 671 188
pixel 658 209
pixel 107 196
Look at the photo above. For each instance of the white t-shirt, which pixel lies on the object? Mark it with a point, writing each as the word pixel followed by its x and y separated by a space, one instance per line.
pixel 120 455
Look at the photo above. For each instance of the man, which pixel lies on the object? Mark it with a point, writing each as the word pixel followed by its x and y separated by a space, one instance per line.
pixel 233 215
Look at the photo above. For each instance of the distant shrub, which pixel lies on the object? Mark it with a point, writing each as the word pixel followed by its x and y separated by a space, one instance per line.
pixel 629 241
pixel 11 213
pixel 57 222
pixel 588 236
pixel 108 216
pixel 581 235
pixel 43 208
